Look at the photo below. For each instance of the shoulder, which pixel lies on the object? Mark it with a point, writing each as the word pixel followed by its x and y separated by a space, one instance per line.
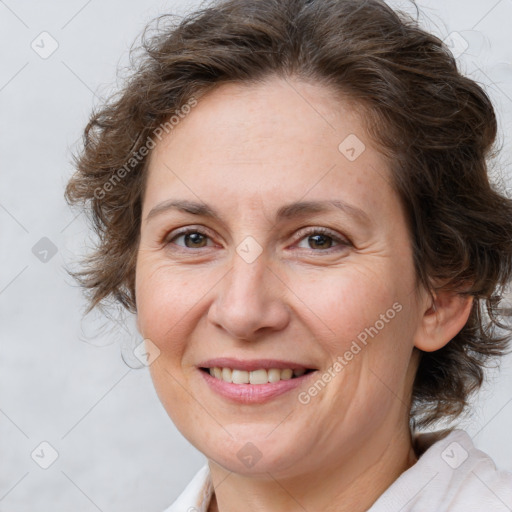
pixel 450 475
pixel 196 495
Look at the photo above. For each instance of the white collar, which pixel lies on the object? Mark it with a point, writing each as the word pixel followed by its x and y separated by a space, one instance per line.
pixel 450 471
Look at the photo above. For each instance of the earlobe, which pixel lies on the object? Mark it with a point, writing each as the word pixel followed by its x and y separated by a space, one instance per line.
pixel 442 320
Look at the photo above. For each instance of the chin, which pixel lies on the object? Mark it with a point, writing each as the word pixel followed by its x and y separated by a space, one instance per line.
pixel 252 451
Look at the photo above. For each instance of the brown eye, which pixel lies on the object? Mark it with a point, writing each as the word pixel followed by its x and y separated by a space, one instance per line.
pixel 322 239
pixel 192 239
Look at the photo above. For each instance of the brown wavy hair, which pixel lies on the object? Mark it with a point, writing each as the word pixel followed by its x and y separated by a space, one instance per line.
pixel 436 126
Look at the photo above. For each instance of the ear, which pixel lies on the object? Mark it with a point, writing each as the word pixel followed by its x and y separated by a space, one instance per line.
pixel 443 318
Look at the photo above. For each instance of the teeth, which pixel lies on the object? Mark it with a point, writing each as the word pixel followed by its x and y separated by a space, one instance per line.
pixel 286 374
pixel 226 374
pixel 258 377
pixel 240 377
pixel 274 375
pixel 255 377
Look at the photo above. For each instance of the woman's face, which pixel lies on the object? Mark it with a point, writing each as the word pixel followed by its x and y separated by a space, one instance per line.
pixel 259 285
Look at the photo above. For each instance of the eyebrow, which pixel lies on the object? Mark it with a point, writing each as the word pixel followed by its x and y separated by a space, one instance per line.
pixel 286 212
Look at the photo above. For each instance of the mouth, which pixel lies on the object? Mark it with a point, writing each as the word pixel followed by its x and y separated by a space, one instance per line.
pixel 254 381
pixel 258 377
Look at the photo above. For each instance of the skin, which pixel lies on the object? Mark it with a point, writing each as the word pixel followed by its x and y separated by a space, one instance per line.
pixel 247 150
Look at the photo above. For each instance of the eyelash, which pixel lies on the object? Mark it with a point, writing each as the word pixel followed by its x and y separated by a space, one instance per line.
pixel 304 233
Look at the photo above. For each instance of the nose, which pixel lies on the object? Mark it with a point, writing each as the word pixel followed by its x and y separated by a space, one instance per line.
pixel 250 301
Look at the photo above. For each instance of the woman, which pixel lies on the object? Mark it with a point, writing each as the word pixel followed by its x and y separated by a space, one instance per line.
pixel 292 197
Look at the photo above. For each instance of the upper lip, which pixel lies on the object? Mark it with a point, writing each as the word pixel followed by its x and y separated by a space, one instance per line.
pixel 251 365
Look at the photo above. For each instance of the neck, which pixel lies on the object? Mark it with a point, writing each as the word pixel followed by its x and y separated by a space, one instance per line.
pixel 353 484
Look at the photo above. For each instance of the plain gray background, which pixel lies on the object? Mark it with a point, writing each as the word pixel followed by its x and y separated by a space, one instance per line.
pixel 62 377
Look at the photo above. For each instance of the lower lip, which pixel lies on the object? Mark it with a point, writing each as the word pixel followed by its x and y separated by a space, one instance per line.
pixel 253 393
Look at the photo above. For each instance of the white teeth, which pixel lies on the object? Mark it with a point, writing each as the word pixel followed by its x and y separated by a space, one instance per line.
pixel 274 375
pixel 240 377
pixel 286 374
pixel 258 377
pixel 226 374
pixel 255 377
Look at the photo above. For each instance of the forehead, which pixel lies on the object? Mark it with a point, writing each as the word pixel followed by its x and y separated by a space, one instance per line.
pixel 274 141
pixel 252 119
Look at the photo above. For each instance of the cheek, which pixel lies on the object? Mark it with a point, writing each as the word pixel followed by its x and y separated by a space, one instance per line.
pixel 344 302
pixel 363 319
pixel 170 303
pixel 166 314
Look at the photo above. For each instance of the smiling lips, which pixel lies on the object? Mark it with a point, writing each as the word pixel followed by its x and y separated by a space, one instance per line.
pixel 258 391
pixel 256 371
pixel 260 376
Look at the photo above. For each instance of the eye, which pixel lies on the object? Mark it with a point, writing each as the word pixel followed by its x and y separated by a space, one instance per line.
pixel 193 238
pixel 322 238
pixel 319 239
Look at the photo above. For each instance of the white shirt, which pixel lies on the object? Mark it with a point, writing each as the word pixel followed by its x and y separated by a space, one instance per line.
pixel 450 475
